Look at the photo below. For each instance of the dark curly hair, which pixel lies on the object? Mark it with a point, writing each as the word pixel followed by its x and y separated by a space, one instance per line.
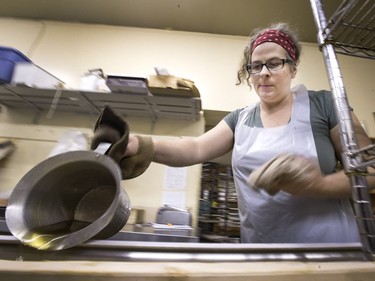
pixel 242 74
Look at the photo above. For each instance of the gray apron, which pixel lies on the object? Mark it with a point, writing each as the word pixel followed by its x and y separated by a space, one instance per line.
pixel 284 218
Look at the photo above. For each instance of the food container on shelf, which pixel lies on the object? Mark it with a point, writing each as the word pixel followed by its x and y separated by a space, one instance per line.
pixel 8 58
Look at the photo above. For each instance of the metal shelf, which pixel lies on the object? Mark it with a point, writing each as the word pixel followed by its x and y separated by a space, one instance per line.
pixel 142 105
pixel 351 29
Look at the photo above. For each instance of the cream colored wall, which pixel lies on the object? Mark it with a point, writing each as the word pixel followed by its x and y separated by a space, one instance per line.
pixel 67 50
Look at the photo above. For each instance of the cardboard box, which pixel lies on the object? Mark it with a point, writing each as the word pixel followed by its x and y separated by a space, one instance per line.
pixel 169 85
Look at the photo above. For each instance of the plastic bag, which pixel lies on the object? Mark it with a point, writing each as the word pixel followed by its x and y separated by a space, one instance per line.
pixel 71 140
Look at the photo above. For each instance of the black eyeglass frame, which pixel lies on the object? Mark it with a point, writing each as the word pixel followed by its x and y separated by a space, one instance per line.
pixel 284 61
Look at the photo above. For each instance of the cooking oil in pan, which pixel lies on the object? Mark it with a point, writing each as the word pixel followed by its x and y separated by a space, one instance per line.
pixel 41 237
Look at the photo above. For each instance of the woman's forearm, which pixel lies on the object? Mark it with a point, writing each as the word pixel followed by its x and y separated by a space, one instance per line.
pixel 338 185
pixel 190 151
pixel 176 153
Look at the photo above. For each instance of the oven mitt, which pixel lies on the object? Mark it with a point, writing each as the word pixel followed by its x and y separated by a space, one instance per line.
pixel 113 129
pixel 271 174
pixel 110 128
pixel 133 166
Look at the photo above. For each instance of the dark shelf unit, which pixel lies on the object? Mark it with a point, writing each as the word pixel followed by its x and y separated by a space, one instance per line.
pixel 218 210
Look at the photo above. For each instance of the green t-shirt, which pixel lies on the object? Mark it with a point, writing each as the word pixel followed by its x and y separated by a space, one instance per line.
pixel 322 118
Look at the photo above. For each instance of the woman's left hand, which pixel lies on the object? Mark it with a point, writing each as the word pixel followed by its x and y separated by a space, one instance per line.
pixel 294 174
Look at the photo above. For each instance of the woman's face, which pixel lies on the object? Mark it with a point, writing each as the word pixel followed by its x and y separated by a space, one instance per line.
pixel 272 86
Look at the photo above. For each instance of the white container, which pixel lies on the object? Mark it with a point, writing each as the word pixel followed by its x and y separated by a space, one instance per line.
pixel 93 82
pixel 32 75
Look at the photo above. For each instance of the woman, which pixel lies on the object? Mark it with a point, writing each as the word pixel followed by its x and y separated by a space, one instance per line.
pixel 311 208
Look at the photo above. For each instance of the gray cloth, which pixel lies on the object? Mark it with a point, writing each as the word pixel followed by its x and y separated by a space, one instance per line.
pixel 284 166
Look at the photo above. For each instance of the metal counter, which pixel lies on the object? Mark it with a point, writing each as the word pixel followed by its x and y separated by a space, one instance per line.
pixel 139 243
pixel 115 250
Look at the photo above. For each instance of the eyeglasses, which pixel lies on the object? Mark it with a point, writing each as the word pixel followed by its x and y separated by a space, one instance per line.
pixel 272 65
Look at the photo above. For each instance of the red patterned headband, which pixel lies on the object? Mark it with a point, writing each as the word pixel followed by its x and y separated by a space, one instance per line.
pixel 278 37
